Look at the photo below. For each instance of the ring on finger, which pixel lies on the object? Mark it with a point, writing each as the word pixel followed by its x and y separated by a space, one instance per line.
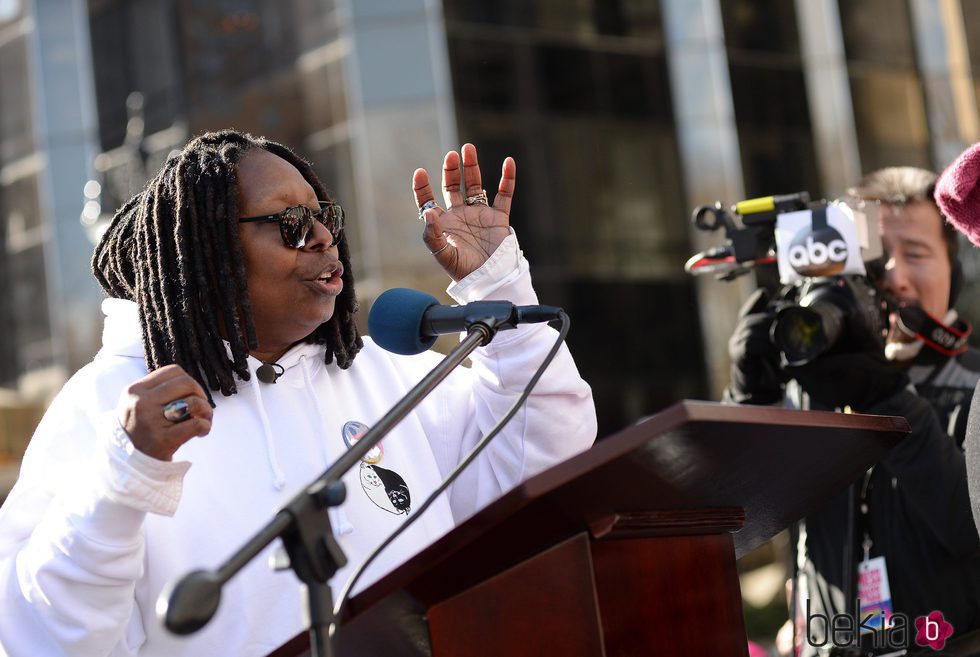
pixel 477 199
pixel 177 411
pixel 441 249
pixel 428 205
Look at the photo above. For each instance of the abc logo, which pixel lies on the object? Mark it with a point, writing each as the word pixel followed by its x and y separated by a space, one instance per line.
pixel 818 253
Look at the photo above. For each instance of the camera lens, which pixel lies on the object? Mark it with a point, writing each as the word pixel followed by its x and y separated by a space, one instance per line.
pixel 805 332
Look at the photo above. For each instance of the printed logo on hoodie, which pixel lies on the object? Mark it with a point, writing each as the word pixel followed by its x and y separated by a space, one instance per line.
pixel 386 488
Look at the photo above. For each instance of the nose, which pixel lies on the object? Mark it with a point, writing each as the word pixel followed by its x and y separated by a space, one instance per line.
pixel 896 280
pixel 319 238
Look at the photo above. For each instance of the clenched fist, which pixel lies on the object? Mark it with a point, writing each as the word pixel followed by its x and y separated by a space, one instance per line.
pixel 142 406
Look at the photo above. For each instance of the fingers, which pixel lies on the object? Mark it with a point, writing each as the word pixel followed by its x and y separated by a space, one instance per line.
pixel 158 376
pixel 141 412
pixel 197 424
pixel 457 185
pixel 505 190
pixel 198 407
pixel 421 187
pixel 177 388
pixel 433 232
pixel 472 180
pixel 451 191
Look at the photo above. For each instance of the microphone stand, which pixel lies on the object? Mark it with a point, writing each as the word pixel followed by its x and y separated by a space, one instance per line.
pixel 304 524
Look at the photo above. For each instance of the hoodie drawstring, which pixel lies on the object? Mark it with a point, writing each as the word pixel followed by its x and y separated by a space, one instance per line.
pixel 338 517
pixel 278 477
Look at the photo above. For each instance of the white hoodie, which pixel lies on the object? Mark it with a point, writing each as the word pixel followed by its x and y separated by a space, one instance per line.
pixel 94 529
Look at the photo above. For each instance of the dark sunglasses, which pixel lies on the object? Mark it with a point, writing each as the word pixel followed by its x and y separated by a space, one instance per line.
pixel 295 224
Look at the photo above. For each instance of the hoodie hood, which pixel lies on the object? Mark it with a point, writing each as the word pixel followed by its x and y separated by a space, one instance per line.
pixel 122 336
pixel 121 333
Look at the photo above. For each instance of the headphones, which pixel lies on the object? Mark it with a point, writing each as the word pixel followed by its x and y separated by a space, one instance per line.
pixel 914 321
pixel 948 340
pixel 955 282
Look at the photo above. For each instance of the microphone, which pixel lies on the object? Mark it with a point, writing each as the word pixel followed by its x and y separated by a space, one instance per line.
pixel 407 322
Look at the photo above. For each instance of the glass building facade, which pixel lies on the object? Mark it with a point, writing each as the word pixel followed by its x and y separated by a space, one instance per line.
pixel 623 115
pixel 579 94
pixel 769 95
pixel 24 312
pixel 886 87
pixel 41 141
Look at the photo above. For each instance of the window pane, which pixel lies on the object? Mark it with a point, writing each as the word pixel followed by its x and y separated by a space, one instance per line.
pixel 760 25
pixel 769 94
pixel 16 130
pixel 484 74
pixel 572 16
pixel 622 219
pixel 32 330
pixel 636 18
pixel 877 31
pixel 635 86
pixel 499 12
pixel 134 49
pixel 891 120
pixel 324 94
pixel 579 93
pixel 886 90
pixel 567 76
pixel 23 308
pixel 971 23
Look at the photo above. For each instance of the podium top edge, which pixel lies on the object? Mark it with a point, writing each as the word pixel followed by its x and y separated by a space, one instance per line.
pixel 688 410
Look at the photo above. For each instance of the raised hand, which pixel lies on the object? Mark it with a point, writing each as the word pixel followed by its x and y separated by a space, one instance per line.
pixel 463 236
pixel 164 410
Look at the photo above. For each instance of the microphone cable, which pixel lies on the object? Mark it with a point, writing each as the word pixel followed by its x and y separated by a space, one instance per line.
pixel 473 453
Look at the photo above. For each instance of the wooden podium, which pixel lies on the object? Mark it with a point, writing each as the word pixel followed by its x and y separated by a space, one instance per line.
pixel 626 549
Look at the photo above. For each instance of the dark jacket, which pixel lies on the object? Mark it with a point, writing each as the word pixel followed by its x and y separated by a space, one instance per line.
pixel 918 509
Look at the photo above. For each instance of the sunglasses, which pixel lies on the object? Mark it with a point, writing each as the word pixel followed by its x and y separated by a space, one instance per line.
pixel 296 224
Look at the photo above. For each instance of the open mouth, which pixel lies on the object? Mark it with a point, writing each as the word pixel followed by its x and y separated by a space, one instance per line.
pixel 330 280
pixel 334 272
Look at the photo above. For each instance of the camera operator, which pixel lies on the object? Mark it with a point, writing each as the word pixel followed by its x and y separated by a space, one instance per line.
pixel 912 507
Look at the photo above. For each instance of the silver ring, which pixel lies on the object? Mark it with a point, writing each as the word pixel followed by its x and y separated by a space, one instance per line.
pixel 440 250
pixel 477 199
pixel 428 205
pixel 177 411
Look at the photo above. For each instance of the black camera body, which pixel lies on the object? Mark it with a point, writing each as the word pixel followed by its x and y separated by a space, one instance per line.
pixel 828 306
pixel 843 313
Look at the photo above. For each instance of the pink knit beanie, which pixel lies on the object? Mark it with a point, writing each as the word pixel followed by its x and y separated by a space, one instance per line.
pixel 958 193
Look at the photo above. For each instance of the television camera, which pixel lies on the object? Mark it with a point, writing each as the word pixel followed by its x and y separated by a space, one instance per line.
pixel 827 256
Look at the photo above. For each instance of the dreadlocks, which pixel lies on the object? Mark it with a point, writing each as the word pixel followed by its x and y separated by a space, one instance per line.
pixel 174 250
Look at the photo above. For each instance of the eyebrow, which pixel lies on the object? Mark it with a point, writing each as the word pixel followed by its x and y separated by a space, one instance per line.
pixel 912 241
pixel 284 197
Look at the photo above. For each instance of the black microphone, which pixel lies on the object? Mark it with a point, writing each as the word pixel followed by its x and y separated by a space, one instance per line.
pixel 406 321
